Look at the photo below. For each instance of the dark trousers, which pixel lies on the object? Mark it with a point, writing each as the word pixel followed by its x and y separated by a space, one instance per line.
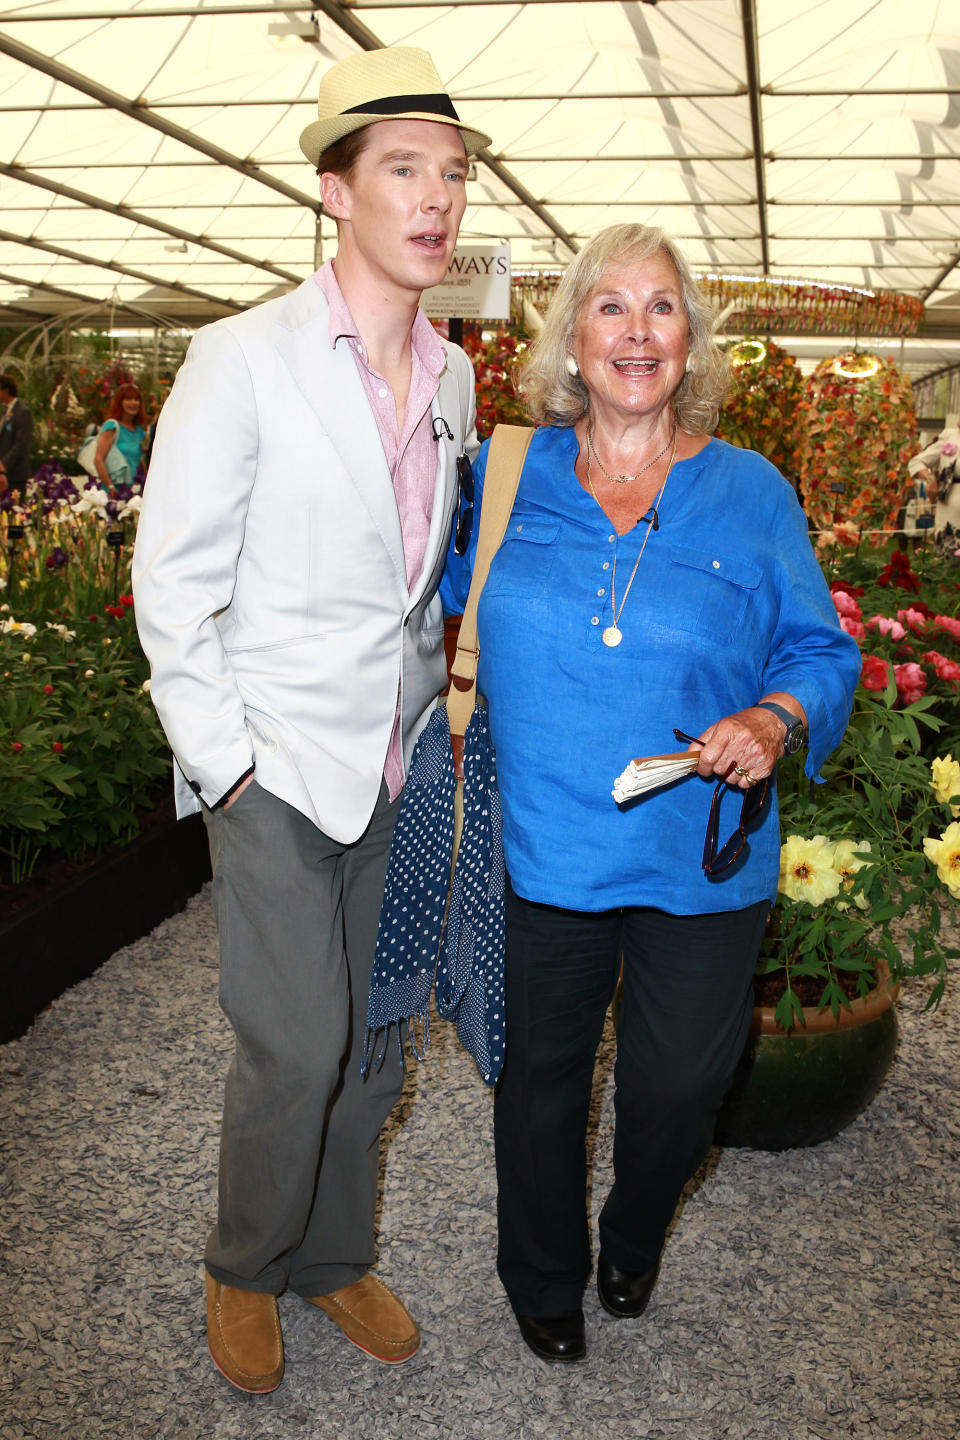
pixel 686 1008
pixel 297 916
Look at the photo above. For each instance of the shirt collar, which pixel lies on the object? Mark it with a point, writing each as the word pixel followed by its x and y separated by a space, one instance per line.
pixel 425 341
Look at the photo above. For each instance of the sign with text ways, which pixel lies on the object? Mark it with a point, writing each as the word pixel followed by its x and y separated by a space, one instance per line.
pixel 477 286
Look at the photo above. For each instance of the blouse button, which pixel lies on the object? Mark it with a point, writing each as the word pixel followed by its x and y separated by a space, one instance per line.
pixel 519 528
pixel 716 564
pixel 611 538
pixel 594 619
pixel 601 592
pixel 606 564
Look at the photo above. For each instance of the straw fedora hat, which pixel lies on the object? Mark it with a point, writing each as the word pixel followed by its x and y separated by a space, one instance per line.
pixel 396 83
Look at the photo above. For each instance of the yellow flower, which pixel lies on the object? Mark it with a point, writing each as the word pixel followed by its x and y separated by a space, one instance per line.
pixel 946 780
pixel 945 854
pixel 807 870
pixel 846 862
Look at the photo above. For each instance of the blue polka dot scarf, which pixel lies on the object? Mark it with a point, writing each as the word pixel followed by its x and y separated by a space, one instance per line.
pixel 414 946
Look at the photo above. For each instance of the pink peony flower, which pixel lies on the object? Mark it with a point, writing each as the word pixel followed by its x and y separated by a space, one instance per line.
pixel 914 620
pixel 846 605
pixel 949 624
pixel 886 626
pixel 948 448
pixel 911 682
pixel 853 627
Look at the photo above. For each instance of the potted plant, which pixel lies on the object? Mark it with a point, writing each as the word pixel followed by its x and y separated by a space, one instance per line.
pixel 867 862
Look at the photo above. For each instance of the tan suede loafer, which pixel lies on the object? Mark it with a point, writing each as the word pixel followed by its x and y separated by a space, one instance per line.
pixel 243 1331
pixel 372 1317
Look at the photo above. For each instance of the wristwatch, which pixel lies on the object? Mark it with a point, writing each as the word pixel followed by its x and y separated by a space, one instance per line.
pixel 796 736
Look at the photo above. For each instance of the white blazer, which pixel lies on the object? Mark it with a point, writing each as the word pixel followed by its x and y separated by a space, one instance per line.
pixel 268 573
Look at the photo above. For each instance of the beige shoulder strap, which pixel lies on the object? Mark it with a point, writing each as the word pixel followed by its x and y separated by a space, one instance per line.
pixel 508 449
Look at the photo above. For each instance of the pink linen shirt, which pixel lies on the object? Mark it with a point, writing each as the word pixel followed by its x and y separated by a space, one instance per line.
pixel 410 451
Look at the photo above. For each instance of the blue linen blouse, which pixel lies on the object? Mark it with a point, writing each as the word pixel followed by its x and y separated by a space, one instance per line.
pixel 728 604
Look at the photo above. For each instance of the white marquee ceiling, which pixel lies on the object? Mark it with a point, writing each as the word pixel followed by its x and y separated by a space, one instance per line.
pixel 149 158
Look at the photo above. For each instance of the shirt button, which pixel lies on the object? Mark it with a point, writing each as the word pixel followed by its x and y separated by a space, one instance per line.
pixel 519 528
pixel 606 564
pixel 594 619
pixel 601 592
pixel 611 538
pixel 716 564
pixel 382 393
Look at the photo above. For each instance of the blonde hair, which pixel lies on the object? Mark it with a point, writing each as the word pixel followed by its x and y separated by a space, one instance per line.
pixel 555 397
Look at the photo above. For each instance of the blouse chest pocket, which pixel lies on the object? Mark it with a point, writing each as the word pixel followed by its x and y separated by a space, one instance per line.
pixel 710 592
pixel 524 563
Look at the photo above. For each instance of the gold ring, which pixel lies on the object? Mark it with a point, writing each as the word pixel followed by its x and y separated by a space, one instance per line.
pixel 741 770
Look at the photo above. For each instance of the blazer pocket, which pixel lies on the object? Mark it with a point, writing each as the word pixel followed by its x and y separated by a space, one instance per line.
pixel 273 644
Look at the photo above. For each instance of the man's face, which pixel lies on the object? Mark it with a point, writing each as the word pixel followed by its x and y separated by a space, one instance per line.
pixel 401 207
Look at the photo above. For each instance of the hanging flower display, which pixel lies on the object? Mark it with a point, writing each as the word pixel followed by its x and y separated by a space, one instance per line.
pixel 857 430
pixel 495 364
pixel 761 412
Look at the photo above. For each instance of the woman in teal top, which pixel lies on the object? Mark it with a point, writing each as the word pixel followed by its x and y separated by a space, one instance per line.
pixel 651 579
pixel 122 435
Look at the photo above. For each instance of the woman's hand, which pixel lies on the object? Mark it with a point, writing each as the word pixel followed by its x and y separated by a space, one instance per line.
pixel 743 748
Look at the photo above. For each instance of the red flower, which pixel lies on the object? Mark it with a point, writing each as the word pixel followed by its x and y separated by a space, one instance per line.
pixel 898 573
pixel 126 600
pixel 911 682
pixel 16 746
pixel 836 585
pixel 945 669
pixel 874 672
pixel 48 689
pixel 57 747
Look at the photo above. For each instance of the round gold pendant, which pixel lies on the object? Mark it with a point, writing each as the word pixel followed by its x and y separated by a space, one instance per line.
pixel 612 636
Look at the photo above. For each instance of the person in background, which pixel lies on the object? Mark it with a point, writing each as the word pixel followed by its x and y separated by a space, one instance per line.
pixel 122 437
pixel 293 533
pixel 652 580
pixel 16 434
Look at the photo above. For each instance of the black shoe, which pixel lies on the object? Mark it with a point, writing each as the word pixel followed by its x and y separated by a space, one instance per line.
pixel 625 1293
pixel 556 1338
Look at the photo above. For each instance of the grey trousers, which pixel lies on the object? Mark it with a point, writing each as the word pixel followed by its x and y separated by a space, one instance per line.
pixel 297 918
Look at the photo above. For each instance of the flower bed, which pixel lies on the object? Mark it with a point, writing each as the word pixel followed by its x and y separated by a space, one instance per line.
pixel 82 747
pixel 879 838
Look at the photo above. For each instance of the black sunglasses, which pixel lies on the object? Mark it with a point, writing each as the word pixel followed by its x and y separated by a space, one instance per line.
pixel 464 526
pixel 716 861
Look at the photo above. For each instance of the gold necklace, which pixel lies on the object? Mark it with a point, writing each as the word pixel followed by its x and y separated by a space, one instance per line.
pixel 624 479
pixel 612 635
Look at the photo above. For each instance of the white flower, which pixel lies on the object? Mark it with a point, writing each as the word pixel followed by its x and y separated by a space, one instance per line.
pixel 18 627
pixel 91 500
pixel 132 507
pixel 145 687
pixel 87 674
pixel 62 631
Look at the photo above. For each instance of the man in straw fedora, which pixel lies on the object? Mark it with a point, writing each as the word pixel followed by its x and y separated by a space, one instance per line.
pixel 301 493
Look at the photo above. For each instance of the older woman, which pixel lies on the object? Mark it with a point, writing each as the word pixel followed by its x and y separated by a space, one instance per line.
pixel 651 579
pixel 122 435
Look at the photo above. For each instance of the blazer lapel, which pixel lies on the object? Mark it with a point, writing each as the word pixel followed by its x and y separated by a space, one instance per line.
pixel 446 404
pixel 328 380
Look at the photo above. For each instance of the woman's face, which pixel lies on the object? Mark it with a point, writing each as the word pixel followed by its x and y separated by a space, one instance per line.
pixel 130 405
pixel 631 338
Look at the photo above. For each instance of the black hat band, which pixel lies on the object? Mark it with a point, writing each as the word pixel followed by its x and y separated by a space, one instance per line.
pixel 400 104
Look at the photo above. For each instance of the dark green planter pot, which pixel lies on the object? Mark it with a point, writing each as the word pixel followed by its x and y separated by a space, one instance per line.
pixel 802 1088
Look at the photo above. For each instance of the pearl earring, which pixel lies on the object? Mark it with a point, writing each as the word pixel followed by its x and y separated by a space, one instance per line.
pixel 572 367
